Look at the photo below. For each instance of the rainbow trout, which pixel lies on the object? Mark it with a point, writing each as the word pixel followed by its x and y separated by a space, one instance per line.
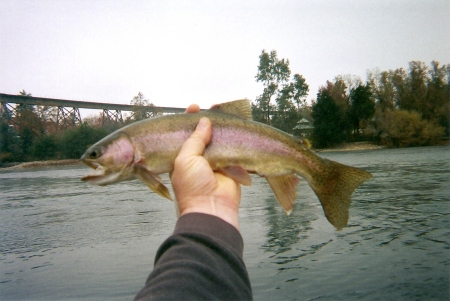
pixel 239 146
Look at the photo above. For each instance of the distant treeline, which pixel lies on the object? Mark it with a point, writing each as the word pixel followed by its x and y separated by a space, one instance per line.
pixel 396 108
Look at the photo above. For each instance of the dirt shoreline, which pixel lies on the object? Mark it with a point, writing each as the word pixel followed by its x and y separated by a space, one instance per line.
pixel 37 164
pixel 357 146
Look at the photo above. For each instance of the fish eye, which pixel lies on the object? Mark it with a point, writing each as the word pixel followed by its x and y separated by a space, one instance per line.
pixel 95 153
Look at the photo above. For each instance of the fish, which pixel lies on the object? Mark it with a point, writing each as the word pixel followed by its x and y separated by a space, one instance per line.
pixel 239 146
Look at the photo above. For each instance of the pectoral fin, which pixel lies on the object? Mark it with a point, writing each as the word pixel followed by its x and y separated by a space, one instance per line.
pixel 238 174
pixel 285 187
pixel 153 181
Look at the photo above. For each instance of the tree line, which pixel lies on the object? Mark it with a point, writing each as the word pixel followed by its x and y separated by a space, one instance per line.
pixel 396 108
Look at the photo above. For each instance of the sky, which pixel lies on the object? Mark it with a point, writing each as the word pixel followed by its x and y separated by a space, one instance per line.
pixel 206 52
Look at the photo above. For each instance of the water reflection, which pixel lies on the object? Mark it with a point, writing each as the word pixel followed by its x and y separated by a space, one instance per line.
pixel 284 231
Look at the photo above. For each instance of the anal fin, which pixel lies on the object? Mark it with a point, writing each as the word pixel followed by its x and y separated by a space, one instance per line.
pixel 153 181
pixel 285 189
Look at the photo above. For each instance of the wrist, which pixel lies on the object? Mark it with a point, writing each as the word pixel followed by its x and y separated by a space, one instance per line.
pixel 221 208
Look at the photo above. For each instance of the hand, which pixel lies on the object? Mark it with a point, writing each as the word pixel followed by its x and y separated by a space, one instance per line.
pixel 197 187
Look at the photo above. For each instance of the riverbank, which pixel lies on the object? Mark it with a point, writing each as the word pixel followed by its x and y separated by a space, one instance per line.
pixel 37 164
pixel 355 146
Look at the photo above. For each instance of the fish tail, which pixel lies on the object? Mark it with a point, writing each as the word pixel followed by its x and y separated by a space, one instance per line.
pixel 335 188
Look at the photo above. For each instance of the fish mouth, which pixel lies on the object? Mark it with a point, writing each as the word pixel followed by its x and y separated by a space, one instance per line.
pixel 98 175
pixel 101 175
pixel 91 164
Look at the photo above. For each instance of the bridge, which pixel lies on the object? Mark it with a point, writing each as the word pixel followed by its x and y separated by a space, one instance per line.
pixel 68 111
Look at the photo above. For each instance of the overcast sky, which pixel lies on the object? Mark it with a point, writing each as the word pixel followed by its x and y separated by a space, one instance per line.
pixel 206 52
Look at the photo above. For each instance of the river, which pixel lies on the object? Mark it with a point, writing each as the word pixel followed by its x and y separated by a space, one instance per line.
pixel 63 239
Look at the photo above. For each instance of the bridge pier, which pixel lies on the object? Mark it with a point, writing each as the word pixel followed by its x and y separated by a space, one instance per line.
pixel 112 115
pixel 8 113
pixel 67 117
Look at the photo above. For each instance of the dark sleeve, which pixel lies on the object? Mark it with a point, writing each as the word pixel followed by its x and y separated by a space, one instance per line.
pixel 202 260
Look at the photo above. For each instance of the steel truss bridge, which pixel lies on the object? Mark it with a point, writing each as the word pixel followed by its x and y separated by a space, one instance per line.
pixel 68 111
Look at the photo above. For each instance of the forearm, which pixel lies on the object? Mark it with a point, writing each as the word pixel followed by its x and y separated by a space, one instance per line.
pixel 201 260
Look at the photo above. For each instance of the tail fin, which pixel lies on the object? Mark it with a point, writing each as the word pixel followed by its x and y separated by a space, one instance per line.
pixel 334 189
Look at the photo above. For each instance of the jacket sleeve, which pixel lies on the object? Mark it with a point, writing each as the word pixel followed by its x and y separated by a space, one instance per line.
pixel 202 260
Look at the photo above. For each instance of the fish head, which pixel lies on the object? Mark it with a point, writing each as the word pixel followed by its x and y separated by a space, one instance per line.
pixel 111 158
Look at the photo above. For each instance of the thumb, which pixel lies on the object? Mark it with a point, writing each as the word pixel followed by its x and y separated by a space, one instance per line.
pixel 196 143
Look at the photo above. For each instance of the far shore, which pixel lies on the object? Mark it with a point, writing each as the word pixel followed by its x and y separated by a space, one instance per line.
pixel 37 164
pixel 356 146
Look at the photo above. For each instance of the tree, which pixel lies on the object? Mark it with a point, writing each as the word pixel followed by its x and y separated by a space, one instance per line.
pixel 399 80
pixel 75 141
pixel 438 96
pixel 262 109
pixel 300 90
pixel 383 90
pixel 417 82
pixel 142 108
pixel 30 126
pixel 45 147
pixel 362 107
pixel 9 143
pixel 338 90
pixel 286 115
pixel 402 128
pixel 24 93
pixel 272 72
pixel 275 74
pixel 329 121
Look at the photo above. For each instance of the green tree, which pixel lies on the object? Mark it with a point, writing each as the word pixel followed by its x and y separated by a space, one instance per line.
pixel 286 115
pixel 9 143
pixel 275 74
pixel 362 107
pixel 30 127
pixel 74 142
pixel 300 90
pixel 329 121
pixel 418 78
pixel 45 147
pixel 438 96
pixel 262 109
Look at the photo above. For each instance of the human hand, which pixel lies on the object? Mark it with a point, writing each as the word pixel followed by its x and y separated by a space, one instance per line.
pixel 197 187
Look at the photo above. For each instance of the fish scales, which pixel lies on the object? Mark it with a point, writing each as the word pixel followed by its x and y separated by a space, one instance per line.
pixel 238 146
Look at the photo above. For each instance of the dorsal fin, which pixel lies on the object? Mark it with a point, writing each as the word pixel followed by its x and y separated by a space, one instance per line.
pixel 240 108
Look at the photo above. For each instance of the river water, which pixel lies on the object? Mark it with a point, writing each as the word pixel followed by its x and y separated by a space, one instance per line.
pixel 62 239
